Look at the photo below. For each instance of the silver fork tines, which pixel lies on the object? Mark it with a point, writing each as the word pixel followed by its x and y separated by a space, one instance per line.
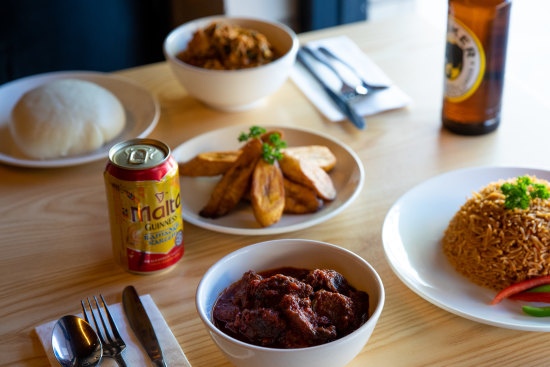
pixel 330 55
pixel 347 90
pixel 113 345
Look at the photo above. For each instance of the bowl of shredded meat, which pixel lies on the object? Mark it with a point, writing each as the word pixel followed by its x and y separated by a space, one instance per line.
pixel 290 302
pixel 228 63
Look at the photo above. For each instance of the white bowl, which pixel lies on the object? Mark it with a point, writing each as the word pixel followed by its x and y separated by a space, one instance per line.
pixel 233 90
pixel 301 254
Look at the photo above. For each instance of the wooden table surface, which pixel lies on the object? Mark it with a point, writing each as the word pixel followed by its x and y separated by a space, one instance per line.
pixel 55 238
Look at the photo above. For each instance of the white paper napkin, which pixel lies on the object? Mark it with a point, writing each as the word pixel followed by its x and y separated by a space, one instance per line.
pixel 345 48
pixel 134 353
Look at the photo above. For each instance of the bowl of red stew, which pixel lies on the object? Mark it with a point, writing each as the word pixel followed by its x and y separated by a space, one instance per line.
pixel 290 302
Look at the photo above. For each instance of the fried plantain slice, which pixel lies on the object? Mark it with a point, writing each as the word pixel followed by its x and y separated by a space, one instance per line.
pixel 321 155
pixel 231 187
pixel 267 193
pixel 308 174
pixel 209 163
pixel 300 199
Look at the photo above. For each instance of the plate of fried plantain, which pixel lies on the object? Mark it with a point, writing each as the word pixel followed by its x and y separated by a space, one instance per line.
pixel 265 180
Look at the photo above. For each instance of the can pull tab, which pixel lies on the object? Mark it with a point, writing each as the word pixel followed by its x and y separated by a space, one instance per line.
pixel 140 155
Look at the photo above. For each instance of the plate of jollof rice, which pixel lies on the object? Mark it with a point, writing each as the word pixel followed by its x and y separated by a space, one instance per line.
pixel 413 236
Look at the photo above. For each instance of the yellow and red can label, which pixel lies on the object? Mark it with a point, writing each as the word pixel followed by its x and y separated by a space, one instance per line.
pixel 145 216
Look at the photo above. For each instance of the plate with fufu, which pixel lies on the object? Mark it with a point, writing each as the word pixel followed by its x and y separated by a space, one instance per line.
pixel 68 118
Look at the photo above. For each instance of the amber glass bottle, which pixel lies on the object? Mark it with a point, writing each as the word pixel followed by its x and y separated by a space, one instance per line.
pixel 477 34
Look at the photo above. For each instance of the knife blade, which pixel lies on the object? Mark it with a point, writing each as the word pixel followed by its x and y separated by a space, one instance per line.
pixel 341 103
pixel 140 323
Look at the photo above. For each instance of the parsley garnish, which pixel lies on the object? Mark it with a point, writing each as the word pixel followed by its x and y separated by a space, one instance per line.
pixel 519 195
pixel 270 151
pixel 255 132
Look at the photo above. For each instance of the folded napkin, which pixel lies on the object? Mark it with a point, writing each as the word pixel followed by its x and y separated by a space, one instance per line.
pixel 134 353
pixel 346 49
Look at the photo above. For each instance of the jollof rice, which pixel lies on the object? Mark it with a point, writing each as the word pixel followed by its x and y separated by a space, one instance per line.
pixel 494 246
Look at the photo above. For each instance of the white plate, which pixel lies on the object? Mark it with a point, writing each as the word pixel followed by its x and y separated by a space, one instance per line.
pixel 347 176
pixel 142 114
pixel 412 233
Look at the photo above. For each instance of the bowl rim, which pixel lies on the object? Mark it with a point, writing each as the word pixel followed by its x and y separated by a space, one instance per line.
pixel 172 57
pixel 373 317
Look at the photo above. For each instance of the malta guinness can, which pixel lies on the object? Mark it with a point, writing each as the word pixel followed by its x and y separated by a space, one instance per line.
pixel 143 193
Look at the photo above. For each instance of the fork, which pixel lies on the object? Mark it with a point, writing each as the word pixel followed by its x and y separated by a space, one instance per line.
pixel 330 55
pixel 347 90
pixel 113 345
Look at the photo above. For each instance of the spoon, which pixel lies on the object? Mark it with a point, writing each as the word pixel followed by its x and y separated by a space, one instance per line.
pixel 75 343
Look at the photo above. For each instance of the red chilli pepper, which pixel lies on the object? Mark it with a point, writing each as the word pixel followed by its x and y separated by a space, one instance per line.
pixel 532 296
pixel 520 287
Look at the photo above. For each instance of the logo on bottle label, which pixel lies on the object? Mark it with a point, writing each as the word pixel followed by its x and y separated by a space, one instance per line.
pixel 464 62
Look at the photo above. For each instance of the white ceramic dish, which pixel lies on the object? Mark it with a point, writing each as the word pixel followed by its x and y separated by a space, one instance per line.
pixel 301 254
pixel 412 234
pixel 347 175
pixel 233 90
pixel 142 113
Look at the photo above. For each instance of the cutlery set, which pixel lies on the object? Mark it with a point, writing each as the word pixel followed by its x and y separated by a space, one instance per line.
pixel 349 89
pixel 78 342
pixel 353 85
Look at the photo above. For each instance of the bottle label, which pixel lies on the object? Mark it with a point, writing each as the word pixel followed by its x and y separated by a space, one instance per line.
pixel 464 62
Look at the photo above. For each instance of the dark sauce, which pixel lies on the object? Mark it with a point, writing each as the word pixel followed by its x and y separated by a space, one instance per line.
pixel 290 308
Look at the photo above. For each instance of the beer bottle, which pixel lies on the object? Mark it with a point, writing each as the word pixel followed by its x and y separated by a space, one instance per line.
pixel 477 34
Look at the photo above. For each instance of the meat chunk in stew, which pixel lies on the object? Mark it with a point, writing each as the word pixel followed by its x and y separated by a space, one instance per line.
pixel 291 308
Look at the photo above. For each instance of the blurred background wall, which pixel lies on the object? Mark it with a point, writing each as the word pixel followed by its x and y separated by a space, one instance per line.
pixel 38 36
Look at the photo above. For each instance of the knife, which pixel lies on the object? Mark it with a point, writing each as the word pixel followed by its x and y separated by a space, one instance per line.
pixel 342 104
pixel 140 323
